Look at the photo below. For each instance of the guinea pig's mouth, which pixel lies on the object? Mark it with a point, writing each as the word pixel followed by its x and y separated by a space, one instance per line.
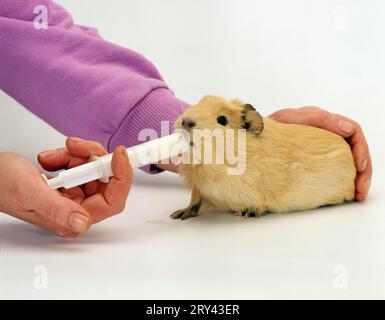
pixel 187 135
pixel 191 142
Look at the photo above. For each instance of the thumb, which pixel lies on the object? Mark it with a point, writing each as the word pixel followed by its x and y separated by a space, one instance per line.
pixel 57 209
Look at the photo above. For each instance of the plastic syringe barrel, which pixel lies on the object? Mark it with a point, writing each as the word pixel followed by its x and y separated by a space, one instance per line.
pixel 100 167
pixel 80 175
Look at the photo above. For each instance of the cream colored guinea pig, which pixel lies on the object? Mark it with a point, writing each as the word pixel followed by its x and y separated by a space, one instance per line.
pixel 288 167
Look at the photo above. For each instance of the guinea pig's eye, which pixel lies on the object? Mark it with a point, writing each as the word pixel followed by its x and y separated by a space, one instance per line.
pixel 222 120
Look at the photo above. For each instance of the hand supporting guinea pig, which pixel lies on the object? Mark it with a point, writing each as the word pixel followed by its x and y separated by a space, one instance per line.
pixel 67 213
pixel 343 126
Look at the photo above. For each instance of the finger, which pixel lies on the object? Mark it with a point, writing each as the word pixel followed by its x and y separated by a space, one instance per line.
pixel 58 159
pixel 360 149
pixel 77 152
pixel 112 201
pixel 59 231
pixel 349 129
pixel 39 221
pixel 99 207
pixel 337 124
pixel 287 115
pixel 119 186
pixel 317 117
pixel 56 209
pixel 75 194
pixel 84 149
pixel 94 187
pixel 346 128
pixel 310 116
pixel 363 182
pixel 360 152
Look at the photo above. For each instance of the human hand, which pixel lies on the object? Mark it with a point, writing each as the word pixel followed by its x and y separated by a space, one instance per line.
pixel 343 126
pixel 68 213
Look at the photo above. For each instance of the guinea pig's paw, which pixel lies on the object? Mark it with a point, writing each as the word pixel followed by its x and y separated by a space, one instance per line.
pixel 250 213
pixel 183 214
pixel 178 214
pixel 191 211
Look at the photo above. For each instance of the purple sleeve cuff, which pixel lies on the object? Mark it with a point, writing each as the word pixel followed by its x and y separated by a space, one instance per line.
pixel 154 116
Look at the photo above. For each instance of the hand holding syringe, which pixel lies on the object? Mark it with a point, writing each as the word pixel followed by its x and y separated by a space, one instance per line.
pixel 100 167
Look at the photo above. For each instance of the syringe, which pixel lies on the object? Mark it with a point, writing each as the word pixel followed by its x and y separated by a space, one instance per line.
pixel 99 168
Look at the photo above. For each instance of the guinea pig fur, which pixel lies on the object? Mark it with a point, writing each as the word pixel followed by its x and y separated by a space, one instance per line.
pixel 288 167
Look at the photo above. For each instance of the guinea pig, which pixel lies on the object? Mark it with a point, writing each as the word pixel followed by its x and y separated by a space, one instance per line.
pixel 287 167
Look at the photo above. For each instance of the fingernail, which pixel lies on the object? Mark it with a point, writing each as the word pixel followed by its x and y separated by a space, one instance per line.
pixel 124 152
pixel 47 154
pixel 364 164
pixel 74 139
pixel 79 222
pixel 345 126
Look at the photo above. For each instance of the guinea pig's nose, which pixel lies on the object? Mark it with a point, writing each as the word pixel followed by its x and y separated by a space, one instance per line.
pixel 187 123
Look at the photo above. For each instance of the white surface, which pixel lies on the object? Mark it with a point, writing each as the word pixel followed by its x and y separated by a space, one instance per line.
pixel 273 54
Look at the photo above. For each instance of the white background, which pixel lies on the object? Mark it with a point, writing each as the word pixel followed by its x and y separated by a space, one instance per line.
pixel 273 54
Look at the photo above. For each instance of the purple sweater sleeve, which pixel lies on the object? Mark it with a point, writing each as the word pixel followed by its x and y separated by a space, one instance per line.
pixel 78 82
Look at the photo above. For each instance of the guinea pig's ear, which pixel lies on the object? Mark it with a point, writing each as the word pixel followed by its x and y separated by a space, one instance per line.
pixel 252 121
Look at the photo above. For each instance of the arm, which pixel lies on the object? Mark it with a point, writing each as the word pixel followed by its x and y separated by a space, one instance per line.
pixel 342 126
pixel 78 82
